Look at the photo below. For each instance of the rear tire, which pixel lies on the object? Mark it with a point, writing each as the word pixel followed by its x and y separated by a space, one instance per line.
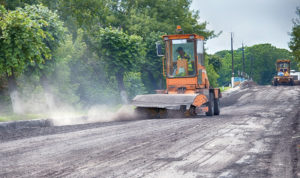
pixel 216 106
pixel 210 105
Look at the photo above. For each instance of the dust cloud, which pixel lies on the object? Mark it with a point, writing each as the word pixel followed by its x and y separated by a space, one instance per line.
pixel 50 107
pixel 103 113
pixel 16 102
pixel 97 113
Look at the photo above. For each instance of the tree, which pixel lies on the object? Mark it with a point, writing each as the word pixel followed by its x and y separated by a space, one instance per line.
pixel 215 61
pixel 21 43
pixel 133 84
pixel 264 57
pixel 55 31
pixel 151 68
pixel 294 44
pixel 13 4
pixel 120 52
pixel 213 65
pixel 144 16
pixel 27 37
pixel 91 70
pixel 148 19
pixel 79 14
pixel 95 84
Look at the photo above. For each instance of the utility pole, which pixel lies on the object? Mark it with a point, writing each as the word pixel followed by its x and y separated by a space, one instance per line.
pixel 251 67
pixel 232 62
pixel 243 72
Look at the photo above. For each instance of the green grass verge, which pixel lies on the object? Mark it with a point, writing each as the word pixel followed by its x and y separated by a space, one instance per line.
pixel 224 88
pixel 17 117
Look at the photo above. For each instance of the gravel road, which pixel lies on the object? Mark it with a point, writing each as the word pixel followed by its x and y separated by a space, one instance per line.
pixel 256 135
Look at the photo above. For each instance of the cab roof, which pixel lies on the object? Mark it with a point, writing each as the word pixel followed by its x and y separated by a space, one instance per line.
pixel 182 36
pixel 283 60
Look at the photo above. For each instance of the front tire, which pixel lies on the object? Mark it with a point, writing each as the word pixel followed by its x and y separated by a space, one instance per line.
pixel 210 105
pixel 216 106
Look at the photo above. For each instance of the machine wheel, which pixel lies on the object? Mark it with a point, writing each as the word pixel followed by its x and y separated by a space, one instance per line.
pixel 292 83
pixel 192 111
pixel 275 83
pixel 216 106
pixel 210 105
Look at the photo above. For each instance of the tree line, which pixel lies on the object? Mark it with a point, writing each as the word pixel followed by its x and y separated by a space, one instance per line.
pixel 88 52
pixel 100 51
pixel 260 62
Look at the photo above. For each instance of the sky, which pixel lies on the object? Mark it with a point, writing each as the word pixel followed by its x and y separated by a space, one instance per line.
pixel 251 21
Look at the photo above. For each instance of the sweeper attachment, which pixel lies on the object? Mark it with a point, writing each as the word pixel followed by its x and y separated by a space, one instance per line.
pixel 187 92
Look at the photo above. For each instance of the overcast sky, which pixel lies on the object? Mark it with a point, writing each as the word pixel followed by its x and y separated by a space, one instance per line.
pixel 251 21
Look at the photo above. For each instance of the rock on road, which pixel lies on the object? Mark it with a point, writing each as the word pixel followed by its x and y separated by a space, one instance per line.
pixel 255 136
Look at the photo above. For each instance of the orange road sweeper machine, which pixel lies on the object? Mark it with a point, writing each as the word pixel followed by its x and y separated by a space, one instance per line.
pixel 187 92
pixel 283 76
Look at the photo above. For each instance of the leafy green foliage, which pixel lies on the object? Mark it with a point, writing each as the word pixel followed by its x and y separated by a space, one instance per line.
pixel 144 16
pixel 87 70
pixel 60 78
pixel 109 45
pixel 215 61
pixel 120 52
pixel 13 4
pixel 294 44
pixel 78 14
pixel 55 36
pixel 22 41
pixel 59 81
pixel 212 64
pixel 151 67
pixel 133 84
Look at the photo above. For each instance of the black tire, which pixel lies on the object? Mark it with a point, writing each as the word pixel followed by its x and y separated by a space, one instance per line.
pixel 210 105
pixel 292 83
pixel 192 111
pixel 275 83
pixel 216 106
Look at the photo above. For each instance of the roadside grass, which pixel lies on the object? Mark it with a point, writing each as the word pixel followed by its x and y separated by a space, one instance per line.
pixel 17 117
pixel 224 88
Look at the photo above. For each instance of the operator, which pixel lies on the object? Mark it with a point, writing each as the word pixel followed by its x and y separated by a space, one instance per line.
pixel 182 55
pixel 286 72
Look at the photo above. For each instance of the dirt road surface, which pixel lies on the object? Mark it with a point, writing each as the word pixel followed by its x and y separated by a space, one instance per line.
pixel 256 135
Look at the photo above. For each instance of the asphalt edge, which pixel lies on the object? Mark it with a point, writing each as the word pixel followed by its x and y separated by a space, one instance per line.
pixel 12 125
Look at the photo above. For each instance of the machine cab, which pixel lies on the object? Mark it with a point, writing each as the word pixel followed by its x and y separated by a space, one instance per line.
pixel 283 67
pixel 184 63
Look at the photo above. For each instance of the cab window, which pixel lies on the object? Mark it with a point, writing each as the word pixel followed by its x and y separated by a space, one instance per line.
pixel 181 58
